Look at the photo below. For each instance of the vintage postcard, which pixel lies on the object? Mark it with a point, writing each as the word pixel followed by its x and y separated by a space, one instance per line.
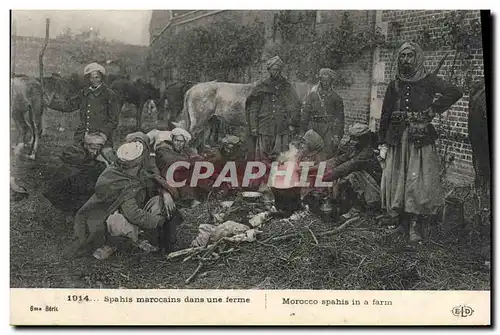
pixel 250 167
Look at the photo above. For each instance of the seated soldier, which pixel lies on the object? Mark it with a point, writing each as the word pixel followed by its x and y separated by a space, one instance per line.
pixel 356 173
pixel 173 150
pixel 117 206
pixel 73 183
pixel 230 150
pixel 311 147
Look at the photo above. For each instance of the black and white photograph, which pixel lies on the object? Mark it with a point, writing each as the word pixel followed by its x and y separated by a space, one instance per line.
pixel 251 149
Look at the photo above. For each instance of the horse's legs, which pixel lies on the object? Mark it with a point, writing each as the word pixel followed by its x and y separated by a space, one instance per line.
pixel 37 132
pixel 29 120
pixel 43 128
pixel 22 132
pixel 139 108
pixel 215 130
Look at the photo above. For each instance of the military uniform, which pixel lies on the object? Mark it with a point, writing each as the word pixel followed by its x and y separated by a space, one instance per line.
pixel 323 112
pixel 411 181
pixel 99 112
pixel 273 107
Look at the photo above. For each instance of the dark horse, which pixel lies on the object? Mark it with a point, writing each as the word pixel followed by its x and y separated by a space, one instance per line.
pixel 137 93
pixel 173 99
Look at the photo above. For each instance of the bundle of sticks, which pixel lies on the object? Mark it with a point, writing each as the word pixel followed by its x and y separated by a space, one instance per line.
pixel 212 253
pixel 205 255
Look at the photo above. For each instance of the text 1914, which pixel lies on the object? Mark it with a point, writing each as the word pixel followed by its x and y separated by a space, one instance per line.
pixel 78 298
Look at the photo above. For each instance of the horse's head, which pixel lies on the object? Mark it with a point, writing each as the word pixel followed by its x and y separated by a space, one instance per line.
pixel 56 86
pixel 151 93
pixel 172 98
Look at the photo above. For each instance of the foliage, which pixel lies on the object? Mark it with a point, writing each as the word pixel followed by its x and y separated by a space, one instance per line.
pixel 460 35
pixel 463 37
pixel 223 51
pixel 306 50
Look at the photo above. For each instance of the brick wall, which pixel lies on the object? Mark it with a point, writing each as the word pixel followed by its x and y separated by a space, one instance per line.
pixel 158 21
pixel 356 96
pixel 406 26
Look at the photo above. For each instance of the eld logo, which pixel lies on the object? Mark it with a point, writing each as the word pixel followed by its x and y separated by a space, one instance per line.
pixel 462 311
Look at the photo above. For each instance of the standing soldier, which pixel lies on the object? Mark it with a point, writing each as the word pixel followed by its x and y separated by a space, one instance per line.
pixel 323 112
pixel 99 109
pixel 274 111
pixel 411 185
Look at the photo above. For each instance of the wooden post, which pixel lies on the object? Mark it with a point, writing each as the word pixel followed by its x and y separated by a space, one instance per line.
pixel 42 52
pixel 13 45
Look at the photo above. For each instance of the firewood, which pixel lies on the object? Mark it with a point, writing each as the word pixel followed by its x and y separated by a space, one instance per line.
pixel 325 233
pixel 314 237
pixel 191 256
pixel 339 228
pixel 200 265
pixel 187 251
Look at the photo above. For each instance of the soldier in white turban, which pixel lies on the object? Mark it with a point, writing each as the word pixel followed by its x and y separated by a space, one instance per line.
pixel 411 187
pixel 98 106
pixel 174 150
pixel 119 203
pixel 73 182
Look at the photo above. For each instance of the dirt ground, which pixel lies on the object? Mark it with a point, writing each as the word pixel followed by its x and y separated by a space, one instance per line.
pixel 363 256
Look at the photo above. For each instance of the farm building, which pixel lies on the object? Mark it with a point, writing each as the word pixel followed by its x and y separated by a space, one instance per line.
pixel 367 76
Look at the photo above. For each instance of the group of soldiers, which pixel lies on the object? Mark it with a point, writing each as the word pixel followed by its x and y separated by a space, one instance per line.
pixel 118 193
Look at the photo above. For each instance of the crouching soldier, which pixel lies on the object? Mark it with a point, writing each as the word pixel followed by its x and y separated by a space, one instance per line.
pixel 356 173
pixel 311 150
pixel 176 149
pixel 230 151
pixel 117 206
pixel 73 183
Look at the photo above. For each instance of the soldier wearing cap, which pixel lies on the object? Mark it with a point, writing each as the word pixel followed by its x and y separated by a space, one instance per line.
pixel 229 151
pixel 174 149
pixel 98 105
pixel 356 172
pixel 73 183
pixel 120 192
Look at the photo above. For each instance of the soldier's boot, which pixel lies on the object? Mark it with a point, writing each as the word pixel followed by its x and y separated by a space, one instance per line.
pixel 414 231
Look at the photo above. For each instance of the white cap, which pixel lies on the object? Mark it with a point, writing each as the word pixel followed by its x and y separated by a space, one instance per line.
pixel 93 67
pixel 181 132
pixel 130 151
